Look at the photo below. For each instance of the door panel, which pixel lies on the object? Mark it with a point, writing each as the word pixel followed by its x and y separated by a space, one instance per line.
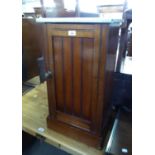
pixel 86 79
pixel 77 83
pixel 58 72
pixel 67 56
pixel 73 70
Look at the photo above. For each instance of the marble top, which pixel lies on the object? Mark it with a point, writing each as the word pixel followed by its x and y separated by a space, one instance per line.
pixel 85 20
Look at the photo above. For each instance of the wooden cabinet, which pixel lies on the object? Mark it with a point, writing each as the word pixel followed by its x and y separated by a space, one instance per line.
pixel 81 66
pixel 31 48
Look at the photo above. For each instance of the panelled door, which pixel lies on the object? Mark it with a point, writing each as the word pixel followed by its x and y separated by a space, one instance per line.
pixel 73 58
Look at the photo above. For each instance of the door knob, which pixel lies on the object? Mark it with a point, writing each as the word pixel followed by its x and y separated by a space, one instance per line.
pixel 43 74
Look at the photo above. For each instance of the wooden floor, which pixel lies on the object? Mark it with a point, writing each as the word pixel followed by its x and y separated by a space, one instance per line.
pixel 34 113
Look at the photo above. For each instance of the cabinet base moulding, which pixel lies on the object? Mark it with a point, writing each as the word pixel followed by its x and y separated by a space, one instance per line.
pixel 74 133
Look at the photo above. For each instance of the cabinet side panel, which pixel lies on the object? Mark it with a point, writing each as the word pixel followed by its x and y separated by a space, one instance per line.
pixel 111 59
pixel 109 72
pixel 101 75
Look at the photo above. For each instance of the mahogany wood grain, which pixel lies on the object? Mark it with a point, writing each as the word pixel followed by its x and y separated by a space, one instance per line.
pixel 87 27
pixel 83 136
pixel 73 120
pixel 87 65
pixel 67 71
pixel 95 80
pixel 110 60
pixel 101 76
pixel 31 46
pixel 48 44
pixel 82 67
pixel 80 33
pixel 58 72
pixel 77 74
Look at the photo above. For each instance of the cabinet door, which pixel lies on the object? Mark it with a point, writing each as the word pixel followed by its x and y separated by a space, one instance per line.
pixel 73 58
